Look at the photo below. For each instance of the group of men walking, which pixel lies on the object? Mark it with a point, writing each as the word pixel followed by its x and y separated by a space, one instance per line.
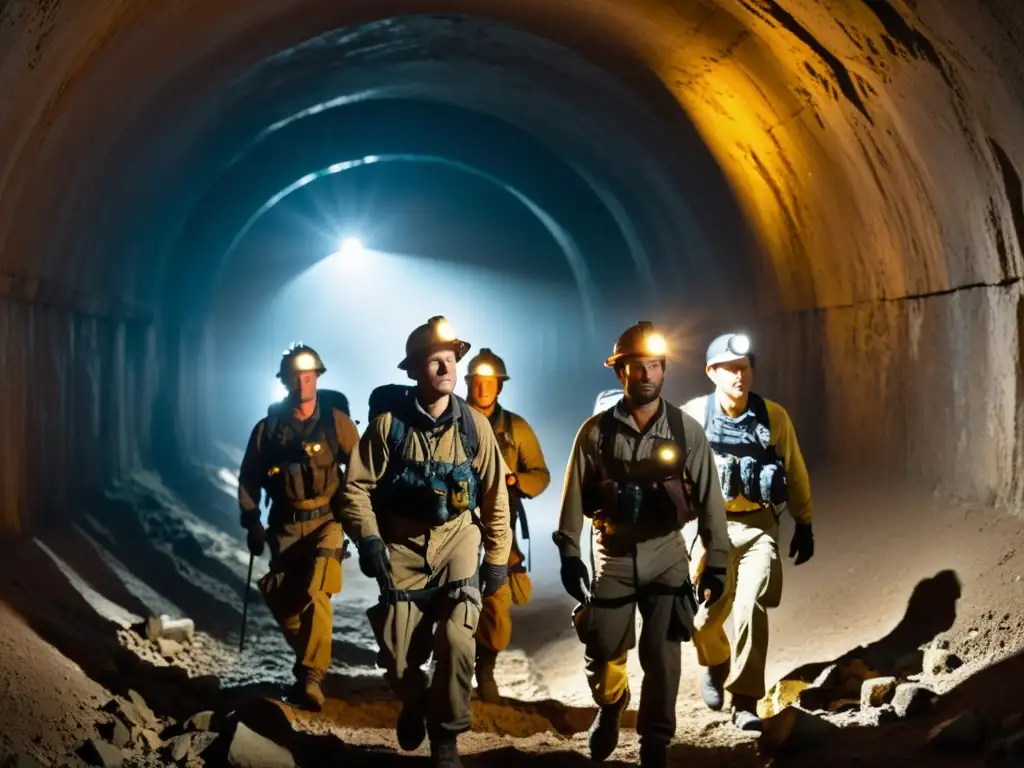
pixel 672 498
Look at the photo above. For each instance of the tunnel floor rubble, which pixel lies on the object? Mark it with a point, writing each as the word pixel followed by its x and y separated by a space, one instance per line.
pixel 897 644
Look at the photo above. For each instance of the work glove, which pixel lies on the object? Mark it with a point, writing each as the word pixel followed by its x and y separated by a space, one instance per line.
pixel 711 585
pixel 576 578
pixel 802 545
pixel 492 577
pixel 256 538
pixel 373 557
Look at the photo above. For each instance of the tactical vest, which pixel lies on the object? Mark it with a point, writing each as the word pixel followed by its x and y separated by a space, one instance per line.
pixel 651 491
pixel 433 491
pixel 747 463
pixel 302 473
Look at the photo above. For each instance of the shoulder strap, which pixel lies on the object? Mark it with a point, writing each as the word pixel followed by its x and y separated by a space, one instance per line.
pixel 330 430
pixel 759 408
pixel 709 409
pixel 467 428
pixel 607 432
pixel 676 426
pixel 396 435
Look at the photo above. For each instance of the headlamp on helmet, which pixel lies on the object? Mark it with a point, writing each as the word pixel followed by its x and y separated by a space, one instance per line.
pixel 443 329
pixel 484 369
pixel 304 362
pixel 739 344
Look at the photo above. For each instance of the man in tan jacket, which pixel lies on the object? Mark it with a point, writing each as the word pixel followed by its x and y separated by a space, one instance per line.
pixel 528 477
pixel 639 472
pixel 294 455
pixel 425 488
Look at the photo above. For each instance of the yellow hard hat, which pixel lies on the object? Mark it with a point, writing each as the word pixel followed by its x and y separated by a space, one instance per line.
pixel 486 363
pixel 298 358
pixel 640 340
pixel 435 334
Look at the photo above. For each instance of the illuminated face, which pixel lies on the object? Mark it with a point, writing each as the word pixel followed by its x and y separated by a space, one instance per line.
pixel 642 378
pixel 438 372
pixel 733 378
pixel 302 386
pixel 483 390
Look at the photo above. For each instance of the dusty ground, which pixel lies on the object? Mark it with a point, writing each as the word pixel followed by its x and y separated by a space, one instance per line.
pixel 892 572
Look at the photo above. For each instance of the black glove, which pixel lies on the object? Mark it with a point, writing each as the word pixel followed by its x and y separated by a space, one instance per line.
pixel 575 578
pixel 802 545
pixel 373 557
pixel 256 539
pixel 711 584
pixel 492 577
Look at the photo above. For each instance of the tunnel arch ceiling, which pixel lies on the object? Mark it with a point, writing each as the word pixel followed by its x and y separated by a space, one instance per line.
pixel 874 146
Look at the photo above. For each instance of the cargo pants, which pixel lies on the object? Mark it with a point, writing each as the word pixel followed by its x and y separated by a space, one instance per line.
pixel 409 631
pixel 609 633
pixel 305 573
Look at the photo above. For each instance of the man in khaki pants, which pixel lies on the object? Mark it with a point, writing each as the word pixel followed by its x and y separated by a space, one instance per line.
pixel 425 487
pixel 760 470
pixel 638 472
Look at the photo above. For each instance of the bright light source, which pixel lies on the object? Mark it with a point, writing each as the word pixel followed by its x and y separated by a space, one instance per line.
pixel 655 344
pixel 484 369
pixel 739 344
pixel 444 330
pixel 667 454
pixel 304 362
pixel 351 246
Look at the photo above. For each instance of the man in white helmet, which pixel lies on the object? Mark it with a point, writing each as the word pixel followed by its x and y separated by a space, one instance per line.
pixel 761 471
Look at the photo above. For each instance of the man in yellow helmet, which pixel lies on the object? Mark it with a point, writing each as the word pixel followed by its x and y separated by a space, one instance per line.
pixel 425 488
pixel 528 477
pixel 639 472
pixel 761 470
pixel 294 455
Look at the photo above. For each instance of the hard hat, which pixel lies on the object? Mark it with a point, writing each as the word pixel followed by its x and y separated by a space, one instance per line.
pixel 640 340
pixel 486 363
pixel 435 334
pixel 297 358
pixel 727 348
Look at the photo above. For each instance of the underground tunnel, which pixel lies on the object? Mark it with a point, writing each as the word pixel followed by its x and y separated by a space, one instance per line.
pixel 839 180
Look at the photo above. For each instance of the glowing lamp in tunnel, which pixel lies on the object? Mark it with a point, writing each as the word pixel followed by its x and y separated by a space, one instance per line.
pixel 667 454
pixel 351 246
pixel 655 344
pixel 444 330
pixel 484 369
pixel 739 344
pixel 305 362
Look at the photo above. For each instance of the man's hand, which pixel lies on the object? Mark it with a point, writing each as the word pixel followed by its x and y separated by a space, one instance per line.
pixel 373 557
pixel 575 578
pixel 492 577
pixel 256 538
pixel 711 585
pixel 802 544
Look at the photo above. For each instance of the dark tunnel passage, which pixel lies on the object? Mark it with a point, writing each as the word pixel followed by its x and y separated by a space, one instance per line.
pixel 840 179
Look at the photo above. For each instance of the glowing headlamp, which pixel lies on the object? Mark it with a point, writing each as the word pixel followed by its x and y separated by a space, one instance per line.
pixel 739 344
pixel 304 362
pixel 484 369
pixel 654 343
pixel 444 331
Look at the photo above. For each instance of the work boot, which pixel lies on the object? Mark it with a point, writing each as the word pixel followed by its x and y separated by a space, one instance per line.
pixel 603 736
pixel 744 713
pixel 653 755
pixel 412 723
pixel 712 685
pixel 444 752
pixel 486 687
pixel 307 692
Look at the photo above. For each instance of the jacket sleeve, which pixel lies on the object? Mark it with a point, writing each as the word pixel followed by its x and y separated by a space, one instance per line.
pixel 348 439
pixel 581 470
pixel 366 466
pixel 532 474
pixel 798 482
pixel 250 477
pixel 494 508
pixel 707 494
